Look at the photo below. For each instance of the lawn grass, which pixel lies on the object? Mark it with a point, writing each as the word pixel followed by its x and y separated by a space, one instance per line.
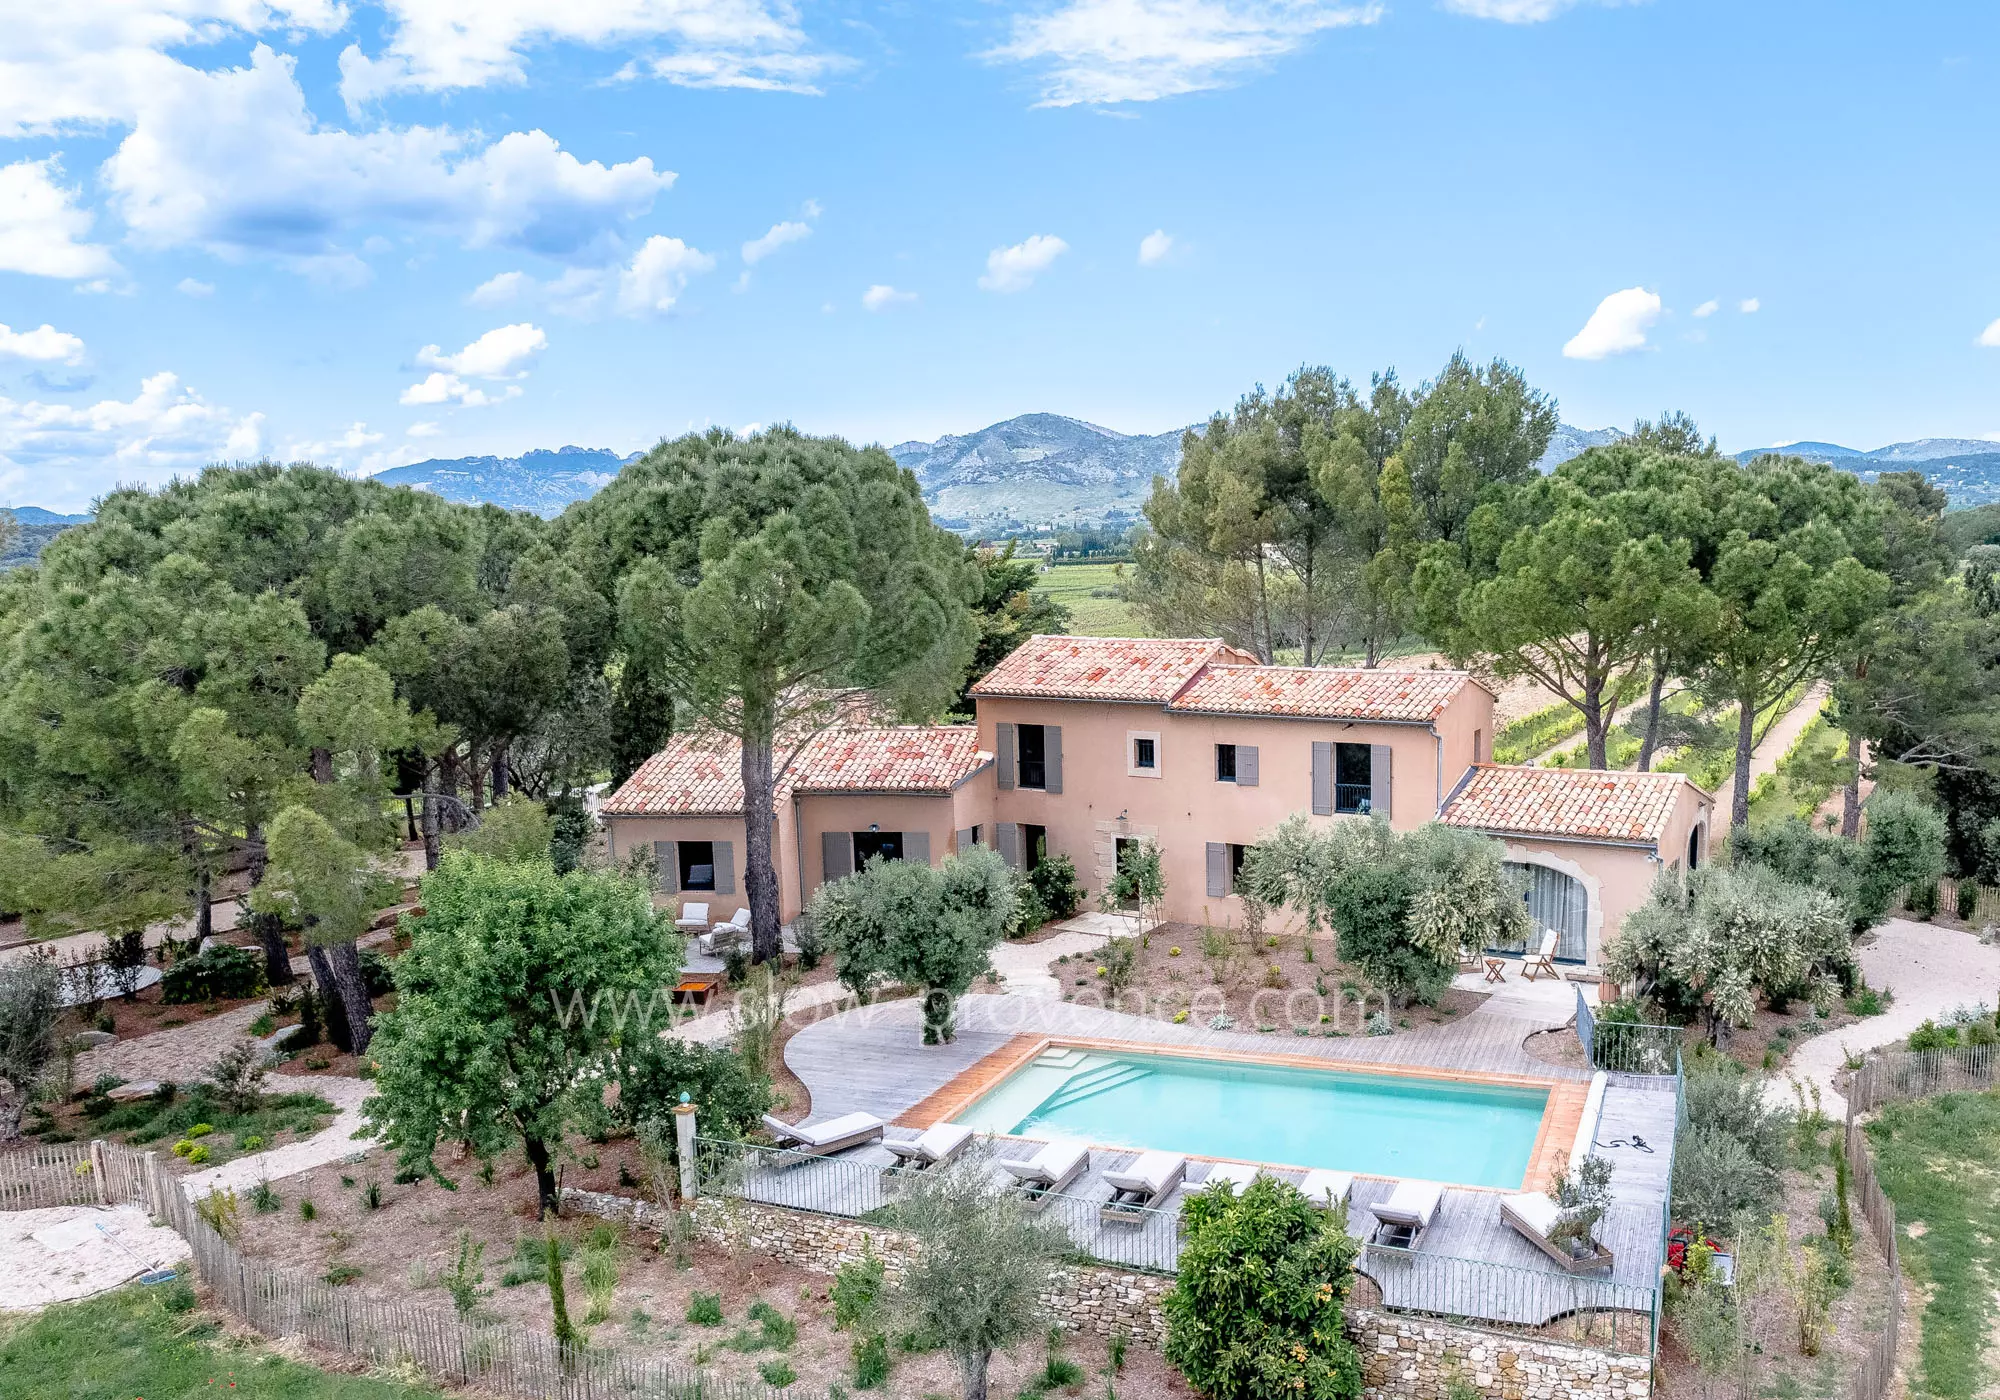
pixel 1073 585
pixel 1934 1159
pixel 132 1342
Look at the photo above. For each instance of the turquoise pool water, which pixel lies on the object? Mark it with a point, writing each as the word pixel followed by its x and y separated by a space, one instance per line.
pixel 1373 1124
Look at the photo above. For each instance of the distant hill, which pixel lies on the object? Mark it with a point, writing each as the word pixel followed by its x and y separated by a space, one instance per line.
pixel 1567 442
pixel 1967 468
pixel 1039 469
pixel 539 481
pixel 36 528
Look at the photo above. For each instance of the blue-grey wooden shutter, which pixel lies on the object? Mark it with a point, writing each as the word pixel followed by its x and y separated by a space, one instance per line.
pixel 1382 790
pixel 1322 779
pixel 1052 756
pixel 667 868
pixel 1218 870
pixel 917 847
pixel 962 839
pixel 836 850
pixel 725 867
pixel 1003 758
pixel 1246 765
pixel 1008 834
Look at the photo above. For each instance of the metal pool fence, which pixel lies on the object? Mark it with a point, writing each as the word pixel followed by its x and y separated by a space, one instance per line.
pixel 1547 1304
pixel 1626 1047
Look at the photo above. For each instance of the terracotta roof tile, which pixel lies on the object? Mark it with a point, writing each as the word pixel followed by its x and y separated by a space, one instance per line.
pixel 700 774
pixel 1321 692
pixel 1104 668
pixel 1580 803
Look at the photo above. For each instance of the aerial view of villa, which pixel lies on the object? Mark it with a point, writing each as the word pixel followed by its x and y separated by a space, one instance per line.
pixel 1023 700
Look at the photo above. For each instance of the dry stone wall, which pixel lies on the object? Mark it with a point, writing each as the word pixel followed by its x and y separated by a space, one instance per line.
pixel 1403 1357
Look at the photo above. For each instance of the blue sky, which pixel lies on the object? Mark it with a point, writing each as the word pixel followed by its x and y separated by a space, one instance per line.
pixel 369 235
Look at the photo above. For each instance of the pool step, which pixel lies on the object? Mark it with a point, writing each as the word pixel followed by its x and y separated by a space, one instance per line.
pixel 1092 1082
pixel 1066 1057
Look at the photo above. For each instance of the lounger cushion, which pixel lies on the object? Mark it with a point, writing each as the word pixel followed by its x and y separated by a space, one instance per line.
pixel 1235 1173
pixel 832 1130
pixel 1326 1188
pixel 692 914
pixel 1051 1164
pixel 1533 1211
pixel 1411 1203
pixel 1152 1173
pixel 934 1144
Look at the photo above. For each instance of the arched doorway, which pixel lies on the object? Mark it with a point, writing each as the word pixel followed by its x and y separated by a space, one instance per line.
pixel 1694 848
pixel 1560 902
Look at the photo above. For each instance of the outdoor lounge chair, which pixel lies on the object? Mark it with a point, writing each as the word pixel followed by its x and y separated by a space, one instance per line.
pixel 1326 1188
pixel 1143 1185
pixel 1401 1220
pixel 693 918
pixel 1534 1215
pixel 1235 1175
pixel 725 935
pixel 818 1139
pixel 934 1147
pixel 1049 1172
pixel 1545 960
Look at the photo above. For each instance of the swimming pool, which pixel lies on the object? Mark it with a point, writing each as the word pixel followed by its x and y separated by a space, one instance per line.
pixel 1394 1125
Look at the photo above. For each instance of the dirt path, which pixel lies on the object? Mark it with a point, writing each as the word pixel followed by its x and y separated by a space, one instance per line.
pixel 1931 970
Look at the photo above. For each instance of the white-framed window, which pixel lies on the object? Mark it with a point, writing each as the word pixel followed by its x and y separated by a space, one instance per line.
pixel 1142 754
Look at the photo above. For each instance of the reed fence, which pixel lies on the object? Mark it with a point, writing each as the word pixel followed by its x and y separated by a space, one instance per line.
pixel 1916 1074
pixel 1877 1371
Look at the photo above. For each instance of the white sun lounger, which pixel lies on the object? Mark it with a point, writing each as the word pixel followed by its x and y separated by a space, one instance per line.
pixel 1533 1215
pixel 1234 1175
pixel 1049 1172
pixel 1326 1189
pixel 817 1139
pixel 1143 1185
pixel 937 1145
pixel 1402 1219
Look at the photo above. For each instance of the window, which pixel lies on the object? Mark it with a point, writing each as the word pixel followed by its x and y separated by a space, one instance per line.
pixel 1225 763
pixel 976 832
pixel 1694 850
pixel 697 862
pixel 1034 846
pixel 1142 754
pixel 1353 778
pixel 1034 756
pixel 1478 746
pixel 1124 848
pixel 1236 867
pixel 868 845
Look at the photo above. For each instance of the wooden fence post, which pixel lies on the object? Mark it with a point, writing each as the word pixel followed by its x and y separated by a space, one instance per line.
pixel 97 1170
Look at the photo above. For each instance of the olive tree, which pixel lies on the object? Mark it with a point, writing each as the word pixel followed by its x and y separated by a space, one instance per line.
pixel 30 1000
pixel 933 928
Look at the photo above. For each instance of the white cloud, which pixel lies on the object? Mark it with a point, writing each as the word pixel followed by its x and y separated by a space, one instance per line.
pixel 42 228
pixel 1143 50
pixel 438 45
pixel 1749 305
pixel 1511 11
pixel 189 287
pixel 62 456
pixel 1990 337
pixel 501 288
pixel 422 430
pixel 1619 324
pixel 658 274
pixel 45 345
pixel 340 451
pixel 1707 309
pixel 810 209
pixel 502 353
pixel 1154 247
pixel 441 387
pixel 881 297
pixel 790 231
pixel 1014 269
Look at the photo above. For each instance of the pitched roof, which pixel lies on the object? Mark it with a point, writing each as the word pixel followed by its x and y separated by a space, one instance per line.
pixel 1104 668
pixel 1321 692
pixel 1579 803
pixel 700 774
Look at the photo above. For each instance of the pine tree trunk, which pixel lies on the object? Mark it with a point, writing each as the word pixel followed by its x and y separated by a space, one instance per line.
pixel 269 929
pixel 760 875
pixel 1746 743
pixel 347 976
pixel 204 909
pixel 329 997
pixel 1652 739
pixel 322 765
pixel 502 774
pixel 432 845
pixel 1596 724
pixel 475 781
pixel 1850 792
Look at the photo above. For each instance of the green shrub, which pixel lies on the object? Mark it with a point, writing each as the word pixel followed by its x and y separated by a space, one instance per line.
pixel 1284 1337
pixel 775 1330
pixel 1931 1036
pixel 732 1098
pixel 199 1130
pixel 197 1153
pixel 218 973
pixel 871 1361
pixel 1735 1147
pixel 264 1198
pixel 1055 882
pixel 777 1373
pixel 857 1292
pixel 1966 904
pixel 307 1210
pixel 1923 900
pixel 377 974
pixel 705 1310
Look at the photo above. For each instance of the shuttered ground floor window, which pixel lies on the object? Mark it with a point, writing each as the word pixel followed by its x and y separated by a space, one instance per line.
pixel 1556 901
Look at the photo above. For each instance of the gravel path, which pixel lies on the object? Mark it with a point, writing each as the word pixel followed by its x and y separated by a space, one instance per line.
pixel 58 1253
pixel 180 1053
pixel 1930 969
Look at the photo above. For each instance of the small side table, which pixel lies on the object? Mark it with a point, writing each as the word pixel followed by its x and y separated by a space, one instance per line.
pixel 1496 969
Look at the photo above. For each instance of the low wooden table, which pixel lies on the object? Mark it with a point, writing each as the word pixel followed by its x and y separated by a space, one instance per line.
pixel 695 987
pixel 1496 969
